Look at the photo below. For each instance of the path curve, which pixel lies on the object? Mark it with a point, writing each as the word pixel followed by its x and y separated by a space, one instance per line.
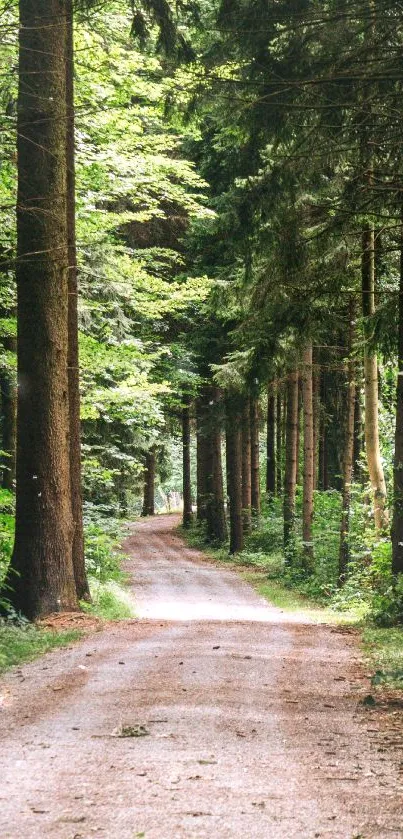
pixel 253 723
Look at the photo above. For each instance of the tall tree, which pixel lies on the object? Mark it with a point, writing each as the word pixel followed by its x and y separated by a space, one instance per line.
pixel 246 467
pixel 271 466
pixel 149 483
pixel 255 455
pixel 397 522
pixel 41 574
pixel 234 472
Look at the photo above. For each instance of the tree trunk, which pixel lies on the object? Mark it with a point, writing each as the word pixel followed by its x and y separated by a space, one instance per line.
pixel 246 468
pixel 254 457
pixel 201 455
pixel 279 446
pixel 271 440
pixel 290 477
pixel 299 423
pixel 187 482
pixel 80 574
pixel 234 473
pixel 397 524
pixel 41 573
pixel 316 421
pixel 149 484
pixel 357 435
pixel 307 516
pixel 348 461
pixel 323 477
pixel 215 514
pixel 372 446
pixel 8 386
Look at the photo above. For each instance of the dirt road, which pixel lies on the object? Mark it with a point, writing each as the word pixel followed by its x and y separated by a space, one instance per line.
pixel 249 723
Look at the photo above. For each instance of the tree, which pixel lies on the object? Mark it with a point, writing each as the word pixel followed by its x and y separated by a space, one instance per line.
pixel 308 486
pixel 187 484
pixel 149 483
pixel 41 574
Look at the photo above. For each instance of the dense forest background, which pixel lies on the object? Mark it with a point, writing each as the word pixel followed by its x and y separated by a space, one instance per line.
pixel 238 244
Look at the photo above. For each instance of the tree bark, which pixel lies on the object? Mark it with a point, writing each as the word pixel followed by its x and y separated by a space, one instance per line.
pixel 201 456
pixel 397 522
pixel 372 445
pixel 41 573
pixel 290 477
pixel 271 440
pixel 149 484
pixel 234 473
pixel 246 468
pixel 187 482
pixel 323 477
pixel 357 435
pixel 279 441
pixel 254 457
pixel 308 482
pixel 211 494
pixel 80 574
pixel 316 421
pixel 348 460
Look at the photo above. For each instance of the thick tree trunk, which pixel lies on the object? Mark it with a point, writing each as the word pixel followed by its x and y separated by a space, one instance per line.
pixel 210 478
pixel 41 573
pixel 372 445
pixel 290 477
pixel 234 473
pixel 271 440
pixel 254 457
pixel 397 524
pixel 279 441
pixel 80 575
pixel 187 482
pixel 348 461
pixel 246 468
pixel 149 484
pixel 8 386
pixel 307 515
pixel 299 423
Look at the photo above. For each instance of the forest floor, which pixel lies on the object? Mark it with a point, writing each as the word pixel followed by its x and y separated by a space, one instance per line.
pixel 213 715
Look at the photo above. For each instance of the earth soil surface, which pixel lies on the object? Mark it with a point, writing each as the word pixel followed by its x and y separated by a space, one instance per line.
pixel 213 715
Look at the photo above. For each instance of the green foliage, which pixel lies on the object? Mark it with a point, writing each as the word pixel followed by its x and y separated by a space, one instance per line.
pixel 19 643
pixel 384 648
pixel 109 603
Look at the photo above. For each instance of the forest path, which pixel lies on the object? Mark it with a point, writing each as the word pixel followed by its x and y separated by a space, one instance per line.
pixel 253 723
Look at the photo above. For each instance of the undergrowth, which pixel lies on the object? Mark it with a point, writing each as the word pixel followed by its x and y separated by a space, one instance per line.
pixel 24 642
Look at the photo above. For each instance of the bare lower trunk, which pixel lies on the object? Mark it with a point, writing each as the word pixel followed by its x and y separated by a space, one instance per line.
pixel 290 477
pixel 397 525
pixel 357 435
pixel 323 478
pixel 348 461
pixel 246 468
pixel 372 445
pixel 307 516
pixel 149 484
pixel 316 422
pixel 234 473
pixel 187 483
pixel 279 447
pixel 80 575
pixel 201 455
pixel 41 573
pixel 254 457
pixel 271 440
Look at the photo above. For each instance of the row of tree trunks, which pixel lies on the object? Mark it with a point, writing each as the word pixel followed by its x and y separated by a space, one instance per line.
pixel 210 492
pixel 254 456
pixel 348 459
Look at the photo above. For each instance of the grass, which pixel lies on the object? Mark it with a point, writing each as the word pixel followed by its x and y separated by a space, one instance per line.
pixel 24 643
pixel 384 651
pixel 289 600
pixel 110 601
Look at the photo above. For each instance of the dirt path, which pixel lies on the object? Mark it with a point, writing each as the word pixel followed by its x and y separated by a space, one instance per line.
pixel 254 728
